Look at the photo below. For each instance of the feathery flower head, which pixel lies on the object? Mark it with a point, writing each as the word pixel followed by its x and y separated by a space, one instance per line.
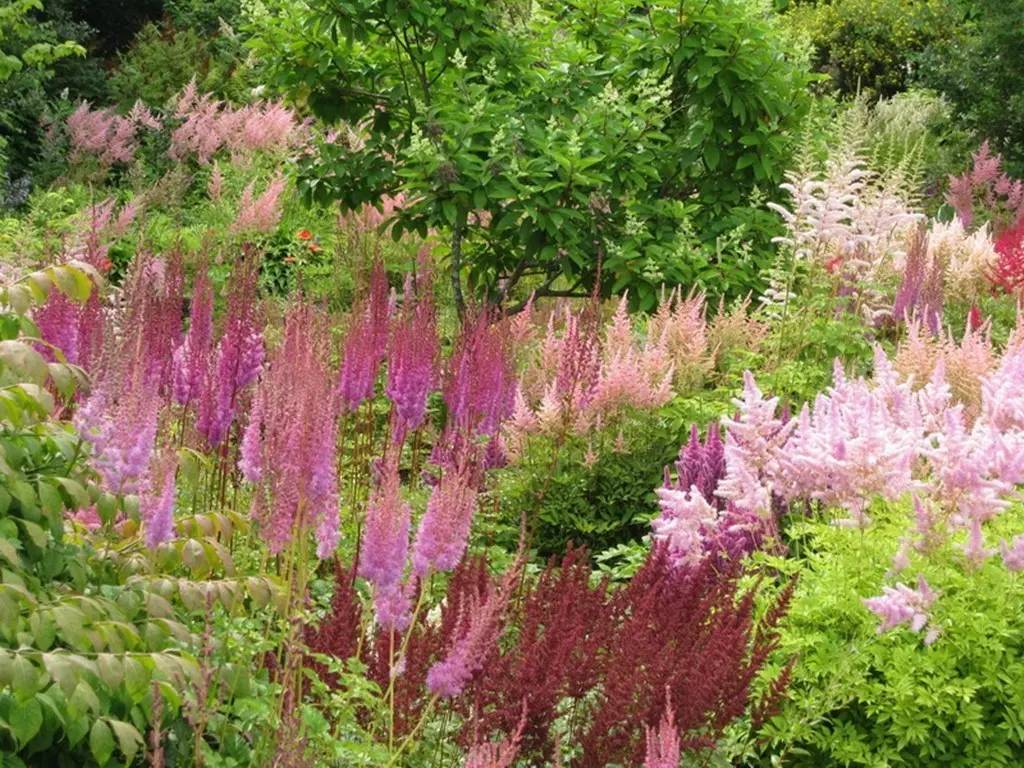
pixel 663 741
pixel 289 443
pixel 412 358
pixel 366 342
pixel 157 504
pixel 444 529
pixel 480 384
pixel 901 605
pixel 386 533
pixel 192 357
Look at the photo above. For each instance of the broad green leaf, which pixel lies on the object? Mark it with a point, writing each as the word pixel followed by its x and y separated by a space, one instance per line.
pixel 25 719
pixel 101 742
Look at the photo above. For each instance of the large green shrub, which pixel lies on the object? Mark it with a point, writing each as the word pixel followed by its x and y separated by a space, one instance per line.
pixel 870 45
pixel 859 698
pixel 547 141
pixel 980 70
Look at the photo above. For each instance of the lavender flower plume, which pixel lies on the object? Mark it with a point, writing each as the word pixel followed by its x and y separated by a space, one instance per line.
pixel 237 360
pixel 366 343
pixel 905 605
pixel 477 630
pixel 480 387
pixel 386 532
pixel 444 530
pixel 289 444
pixel 192 356
pixel 412 360
pixel 157 505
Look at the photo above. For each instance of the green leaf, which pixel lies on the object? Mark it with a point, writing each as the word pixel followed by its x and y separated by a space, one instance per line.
pixel 101 742
pixel 128 739
pixel 25 719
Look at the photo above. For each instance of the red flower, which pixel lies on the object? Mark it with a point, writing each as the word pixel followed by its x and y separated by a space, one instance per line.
pixel 314 248
pixel 105 265
pixel 304 234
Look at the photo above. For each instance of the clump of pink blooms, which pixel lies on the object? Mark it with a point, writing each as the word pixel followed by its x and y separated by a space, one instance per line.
pixel 862 440
pixel 903 605
pixel 663 742
pixel 413 357
pixel 289 446
pixel 986 187
pixel 207 126
pixel 105 135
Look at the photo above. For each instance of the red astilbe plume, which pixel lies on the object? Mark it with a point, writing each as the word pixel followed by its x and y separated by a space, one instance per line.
pixel 412 358
pixel 685 635
pixel 365 343
pixel 556 656
pixel 291 438
pixel 1009 270
pixel 237 360
pixel 337 634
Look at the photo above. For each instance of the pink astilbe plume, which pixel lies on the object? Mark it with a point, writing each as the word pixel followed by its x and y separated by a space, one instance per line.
pixel 444 529
pixel 663 741
pixel 901 605
pixel 289 445
pixel 985 189
pixel 849 448
pixel 500 754
pixel 1013 553
pixel 753 447
pixel 479 625
pixel 385 544
pixel 262 213
pixel 192 357
pixel 237 359
pixel 105 135
pixel 686 517
pixel 365 343
pixel 208 126
pixel 479 387
pixel 679 328
pixel 157 503
pixel 412 359
pixel 631 375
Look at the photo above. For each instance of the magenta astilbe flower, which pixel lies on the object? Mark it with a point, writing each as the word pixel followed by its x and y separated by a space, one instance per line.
pixel 901 605
pixel 1013 553
pixel 236 362
pixel 152 314
pixel 385 544
pixel 365 343
pixel 663 741
pixel 702 465
pixel 192 357
pixel 289 445
pixel 480 385
pixel 157 504
pixel 478 627
pixel 412 360
pixel 444 530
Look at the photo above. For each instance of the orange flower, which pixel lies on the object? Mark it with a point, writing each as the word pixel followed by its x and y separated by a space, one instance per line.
pixel 289 259
pixel 304 234
pixel 313 248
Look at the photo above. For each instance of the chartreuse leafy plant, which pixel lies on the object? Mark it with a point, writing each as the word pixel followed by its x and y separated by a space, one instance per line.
pixel 546 140
pixel 863 698
pixel 95 649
